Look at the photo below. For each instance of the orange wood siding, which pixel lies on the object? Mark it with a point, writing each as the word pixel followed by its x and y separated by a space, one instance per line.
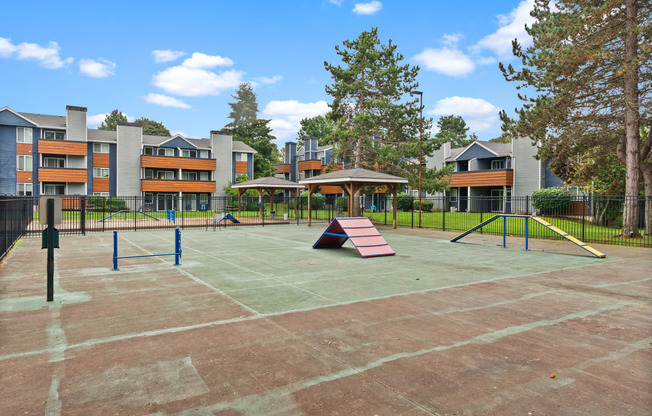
pixel 24 177
pixel 169 162
pixel 309 165
pixel 334 168
pixel 241 167
pixel 23 149
pixel 330 190
pixel 503 177
pixel 62 175
pixel 282 168
pixel 100 184
pixel 62 147
pixel 101 160
pixel 160 185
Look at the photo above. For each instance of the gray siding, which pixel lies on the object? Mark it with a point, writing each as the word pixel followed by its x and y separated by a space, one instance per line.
pixel 128 159
pixel 250 165
pixel 527 170
pixel 476 152
pixel 76 124
pixel 8 160
pixel 89 175
pixel 178 143
pixel 222 145
pixel 113 169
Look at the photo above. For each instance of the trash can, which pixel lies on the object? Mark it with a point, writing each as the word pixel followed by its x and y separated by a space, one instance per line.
pixel 285 217
pixel 272 214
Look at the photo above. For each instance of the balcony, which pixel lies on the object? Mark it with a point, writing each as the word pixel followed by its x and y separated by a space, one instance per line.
pixel 241 168
pixel 62 175
pixel 285 168
pixel 168 185
pixel 477 178
pixel 62 147
pixel 173 162
pixel 309 165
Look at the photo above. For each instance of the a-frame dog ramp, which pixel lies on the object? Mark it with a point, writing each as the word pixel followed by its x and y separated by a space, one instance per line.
pixel 364 236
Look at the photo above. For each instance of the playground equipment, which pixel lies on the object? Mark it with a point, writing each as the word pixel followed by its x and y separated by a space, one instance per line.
pixel 125 212
pixel 176 254
pixel 551 227
pixel 171 216
pixel 364 236
pixel 217 218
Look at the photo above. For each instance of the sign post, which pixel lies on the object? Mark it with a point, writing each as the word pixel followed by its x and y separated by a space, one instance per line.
pixel 51 207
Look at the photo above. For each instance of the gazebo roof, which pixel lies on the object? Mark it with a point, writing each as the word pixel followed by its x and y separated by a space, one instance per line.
pixel 268 182
pixel 357 175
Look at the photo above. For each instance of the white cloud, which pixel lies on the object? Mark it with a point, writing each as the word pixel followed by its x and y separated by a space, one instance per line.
pixel 47 56
pixel 269 80
pixel 175 132
pixel 97 119
pixel 165 101
pixel 367 8
pixel 480 115
pixel 286 115
pixel 202 61
pixel 191 82
pixel 166 55
pixel 511 27
pixel 451 39
pixel 448 61
pixel 99 68
pixel 336 2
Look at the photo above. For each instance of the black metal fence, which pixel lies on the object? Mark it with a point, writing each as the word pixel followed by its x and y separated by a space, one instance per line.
pixel 590 218
pixel 16 214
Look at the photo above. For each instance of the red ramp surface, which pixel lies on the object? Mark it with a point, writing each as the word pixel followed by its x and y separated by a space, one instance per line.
pixel 364 236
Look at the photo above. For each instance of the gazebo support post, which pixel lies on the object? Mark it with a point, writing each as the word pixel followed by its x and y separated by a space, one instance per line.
pixel 394 190
pixel 347 191
pixel 311 189
pixel 240 192
pixel 262 202
pixel 271 192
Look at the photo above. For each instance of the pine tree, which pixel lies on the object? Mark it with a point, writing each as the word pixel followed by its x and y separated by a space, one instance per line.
pixel 153 128
pixel 453 129
pixel 589 70
pixel 111 120
pixel 244 110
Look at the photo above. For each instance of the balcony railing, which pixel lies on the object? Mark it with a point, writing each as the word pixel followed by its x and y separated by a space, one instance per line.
pixel 62 147
pixel 176 162
pixel 62 175
pixel 475 178
pixel 176 185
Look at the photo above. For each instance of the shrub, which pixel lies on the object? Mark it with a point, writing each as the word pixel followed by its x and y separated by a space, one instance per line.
pixel 551 200
pixel 115 204
pixel 252 205
pixel 318 201
pixel 342 203
pixel 425 204
pixel 404 202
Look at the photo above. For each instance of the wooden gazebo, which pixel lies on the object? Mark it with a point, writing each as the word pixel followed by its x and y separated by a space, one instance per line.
pixel 351 180
pixel 270 185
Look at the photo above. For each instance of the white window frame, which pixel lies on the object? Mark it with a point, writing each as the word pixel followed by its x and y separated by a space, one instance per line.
pixel 188 153
pixel 203 154
pixel 101 172
pixel 149 149
pixel 49 158
pixel 25 158
pixel 22 189
pixel 185 175
pixel 240 156
pixel 46 185
pixel 166 151
pixel 500 164
pixel 22 138
pixel 149 171
pixel 204 176
pixel 163 174
pixel 55 133
pixel 101 147
pixel 105 194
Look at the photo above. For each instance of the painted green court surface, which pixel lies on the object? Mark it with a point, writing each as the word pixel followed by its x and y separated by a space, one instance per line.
pixel 275 269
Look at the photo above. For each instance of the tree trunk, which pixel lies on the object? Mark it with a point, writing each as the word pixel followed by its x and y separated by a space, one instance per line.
pixel 632 133
pixel 645 165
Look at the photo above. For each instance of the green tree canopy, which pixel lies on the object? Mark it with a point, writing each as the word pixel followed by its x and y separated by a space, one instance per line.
pixel 244 110
pixel 153 128
pixel 319 127
pixel 111 120
pixel 453 129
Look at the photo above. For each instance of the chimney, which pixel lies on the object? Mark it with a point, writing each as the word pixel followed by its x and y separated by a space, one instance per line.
pixel 129 140
pixel 447 150
pixel 76 123
pixel 222 148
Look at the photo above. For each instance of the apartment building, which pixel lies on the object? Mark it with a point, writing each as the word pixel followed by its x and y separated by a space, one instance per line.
pixel 496 170
pixel 59 155
pixel 307 161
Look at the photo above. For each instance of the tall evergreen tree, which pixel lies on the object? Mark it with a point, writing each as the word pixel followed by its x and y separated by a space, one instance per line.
pixel 111 120
pixel 453 129
pixel 255 132
pixel 319 127
pixel 589 70
pixel 376 119
pixel 153 128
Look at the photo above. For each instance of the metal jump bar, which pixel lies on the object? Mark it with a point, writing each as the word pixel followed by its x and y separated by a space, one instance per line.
pixel 176 254
pixel 125 214
pixel 552 228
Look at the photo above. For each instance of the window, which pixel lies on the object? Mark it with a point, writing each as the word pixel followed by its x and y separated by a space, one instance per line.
pixel 54 162
pixel 24 189
pixel 147 150
pixel 149 198
pixel 165 174
pixel 149 173
pixel 23 134
pixel 189 176
pixel 188 153
pixel 497 164
pixel 54 189
pixel 165 152
pixel 203 154
pixel 453 195
pixel 24 163
pixel 100 194
pixel 100 172
pixel 203 176
pixel 53 135
pixel 100 148
pixel 240 157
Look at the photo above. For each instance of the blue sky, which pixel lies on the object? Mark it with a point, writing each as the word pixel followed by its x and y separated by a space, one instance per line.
pixel 179 62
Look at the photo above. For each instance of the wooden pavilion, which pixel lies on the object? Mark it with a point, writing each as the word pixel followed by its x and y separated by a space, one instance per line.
pixel 351 180
pixel 270 185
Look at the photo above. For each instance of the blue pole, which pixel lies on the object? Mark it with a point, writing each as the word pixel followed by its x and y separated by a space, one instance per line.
pixel 115 250
pixel 526 233
pixel 177 246
pixel 504 231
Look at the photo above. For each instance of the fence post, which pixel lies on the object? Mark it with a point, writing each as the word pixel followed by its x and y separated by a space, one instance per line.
pixel 482 210
pixel 527 204
pixel 583 215
pixel 385 209
pixel 50 238
pixel 82 215
pixel 412 225
pixel 443 212
pixel 134 210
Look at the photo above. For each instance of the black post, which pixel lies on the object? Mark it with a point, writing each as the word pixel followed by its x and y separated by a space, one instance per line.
pixel 134 210
pixel 50 264
pixel 482 209
pixel 82 214
pixel 527 204
pixel 443 212
pixel 412 225
pixel 583 214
